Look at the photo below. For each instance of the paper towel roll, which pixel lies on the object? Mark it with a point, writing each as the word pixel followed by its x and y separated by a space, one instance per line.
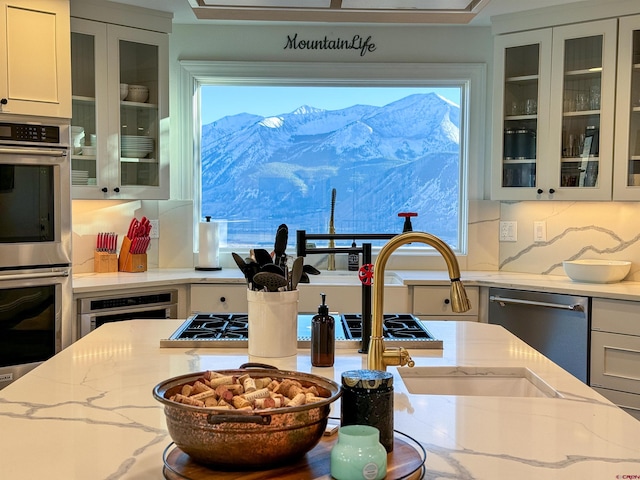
pixel 208 255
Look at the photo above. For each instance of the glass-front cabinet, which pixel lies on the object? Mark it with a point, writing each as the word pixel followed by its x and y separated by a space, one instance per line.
pixel 627 154
pixel 556 113
pixel 523 67
pixel 120 98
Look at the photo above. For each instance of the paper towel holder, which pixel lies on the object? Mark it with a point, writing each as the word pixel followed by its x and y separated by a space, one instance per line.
pixel 207 268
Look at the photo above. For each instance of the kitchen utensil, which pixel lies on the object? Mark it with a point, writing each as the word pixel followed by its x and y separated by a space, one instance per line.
pixel 280 245
pixel 262 256
pixel 310 270
pixel 244 439
pixel 271 281
pixel 247 269
pixel 272 268
pixel 296 272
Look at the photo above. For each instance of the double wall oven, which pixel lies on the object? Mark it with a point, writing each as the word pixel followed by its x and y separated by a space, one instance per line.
pixel 35 243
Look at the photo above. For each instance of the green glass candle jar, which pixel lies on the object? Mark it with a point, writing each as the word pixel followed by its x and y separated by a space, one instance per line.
pixel 358 454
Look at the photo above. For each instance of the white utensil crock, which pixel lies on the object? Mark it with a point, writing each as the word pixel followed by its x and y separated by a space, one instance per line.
pixel 273 323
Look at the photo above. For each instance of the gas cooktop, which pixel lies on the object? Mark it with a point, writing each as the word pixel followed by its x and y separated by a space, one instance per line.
pixel 230 330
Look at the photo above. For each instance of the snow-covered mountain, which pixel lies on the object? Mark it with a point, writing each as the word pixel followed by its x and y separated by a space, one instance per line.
pixel 259 172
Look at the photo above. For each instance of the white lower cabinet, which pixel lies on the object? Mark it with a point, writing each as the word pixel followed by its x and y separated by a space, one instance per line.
pixel 222 298
pixel 434 303
pixel 218 298
pixel 615 352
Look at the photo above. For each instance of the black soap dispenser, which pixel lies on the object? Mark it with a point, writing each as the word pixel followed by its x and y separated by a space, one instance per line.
pixel 353 263
pixel 323 337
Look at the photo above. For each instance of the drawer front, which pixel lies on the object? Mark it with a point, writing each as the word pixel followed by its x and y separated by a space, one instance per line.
pixel 615 362
pixel 219 298
pixel 629 402
pixel 617 316
pixel 436 301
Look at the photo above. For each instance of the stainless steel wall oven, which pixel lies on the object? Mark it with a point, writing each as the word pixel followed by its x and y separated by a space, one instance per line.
pixel 35 243
pixel 35 193
pixel 33 304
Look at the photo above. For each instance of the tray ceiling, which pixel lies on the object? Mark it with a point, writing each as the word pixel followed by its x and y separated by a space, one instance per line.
pixel 374 11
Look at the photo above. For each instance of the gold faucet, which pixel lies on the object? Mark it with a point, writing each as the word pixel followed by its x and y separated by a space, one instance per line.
pixel 379 356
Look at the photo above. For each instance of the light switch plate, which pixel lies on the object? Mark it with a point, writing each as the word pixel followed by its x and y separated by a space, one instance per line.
pixel 540 231
pixel 509 231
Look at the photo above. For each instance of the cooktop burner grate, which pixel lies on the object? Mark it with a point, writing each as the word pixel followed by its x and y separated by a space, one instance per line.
pixel 231 330
pixel 393 326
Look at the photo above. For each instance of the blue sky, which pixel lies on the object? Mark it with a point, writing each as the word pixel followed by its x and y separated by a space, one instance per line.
pixel 220 101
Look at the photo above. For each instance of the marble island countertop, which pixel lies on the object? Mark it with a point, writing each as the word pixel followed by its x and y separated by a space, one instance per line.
pixel 88 413
pixel 86 283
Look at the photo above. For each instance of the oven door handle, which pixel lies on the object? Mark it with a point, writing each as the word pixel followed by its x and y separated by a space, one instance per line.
pixel 502 301
pixel 47 152
pixel 30 276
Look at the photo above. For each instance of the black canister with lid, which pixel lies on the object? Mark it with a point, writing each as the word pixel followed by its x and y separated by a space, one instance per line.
pixel 367 399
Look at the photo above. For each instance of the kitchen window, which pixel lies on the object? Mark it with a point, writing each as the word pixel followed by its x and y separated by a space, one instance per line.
pixel 274 140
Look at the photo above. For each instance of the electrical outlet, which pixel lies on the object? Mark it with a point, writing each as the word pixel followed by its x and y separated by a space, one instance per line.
pixel 155 229
pixel 540 231
pixel 508 231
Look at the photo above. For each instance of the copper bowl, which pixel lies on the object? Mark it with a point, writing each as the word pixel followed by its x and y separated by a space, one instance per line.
pixel 247 440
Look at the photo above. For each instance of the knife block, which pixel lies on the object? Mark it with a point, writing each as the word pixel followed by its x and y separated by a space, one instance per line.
pixel 104 262
pixel 130 262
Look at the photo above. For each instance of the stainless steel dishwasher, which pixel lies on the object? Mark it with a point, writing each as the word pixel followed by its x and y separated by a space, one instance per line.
pixel 556 325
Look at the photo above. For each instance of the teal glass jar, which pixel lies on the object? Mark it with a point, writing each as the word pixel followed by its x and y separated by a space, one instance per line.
pixel 358 454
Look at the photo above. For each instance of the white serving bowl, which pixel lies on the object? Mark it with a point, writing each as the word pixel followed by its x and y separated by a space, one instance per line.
pixel 596 271
pixel 124 91
pixel 138 93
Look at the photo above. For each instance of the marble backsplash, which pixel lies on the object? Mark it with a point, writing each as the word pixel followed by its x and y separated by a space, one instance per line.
pixel 607 230
pixel 174 248
pixel 575 230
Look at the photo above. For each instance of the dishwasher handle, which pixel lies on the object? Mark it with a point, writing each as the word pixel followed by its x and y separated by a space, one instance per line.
pixel 516 301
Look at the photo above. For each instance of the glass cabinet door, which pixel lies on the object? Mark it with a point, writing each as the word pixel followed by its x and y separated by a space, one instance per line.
pixel 87 160
pixel 582 110
pixel 523 66
pixel 633 178
pixel 138 114
pixel 581 101
pixel 520 116
pixel 627 168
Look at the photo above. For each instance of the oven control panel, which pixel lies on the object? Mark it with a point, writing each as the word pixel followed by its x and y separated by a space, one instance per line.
pixel 26 132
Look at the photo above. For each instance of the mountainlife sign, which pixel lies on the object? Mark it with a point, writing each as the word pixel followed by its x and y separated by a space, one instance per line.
pixel 358 43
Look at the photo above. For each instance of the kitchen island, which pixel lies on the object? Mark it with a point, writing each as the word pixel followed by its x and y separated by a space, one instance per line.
pixel 88 413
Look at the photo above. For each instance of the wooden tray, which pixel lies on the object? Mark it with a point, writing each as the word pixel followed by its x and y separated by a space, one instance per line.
pixel 405 462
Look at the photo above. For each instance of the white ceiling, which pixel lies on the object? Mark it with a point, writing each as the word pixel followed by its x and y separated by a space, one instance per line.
pixel 183 13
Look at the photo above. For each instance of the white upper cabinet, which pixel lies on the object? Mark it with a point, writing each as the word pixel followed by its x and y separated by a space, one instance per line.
pixel 35 71
pixel 120 101
pixel 626 179
pixel 554 113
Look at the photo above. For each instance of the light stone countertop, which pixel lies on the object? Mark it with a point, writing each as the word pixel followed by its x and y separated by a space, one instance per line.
pixel 98 282
pixel 88 412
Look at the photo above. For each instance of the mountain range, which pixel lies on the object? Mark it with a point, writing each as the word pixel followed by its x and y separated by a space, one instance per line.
pixel 259 172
